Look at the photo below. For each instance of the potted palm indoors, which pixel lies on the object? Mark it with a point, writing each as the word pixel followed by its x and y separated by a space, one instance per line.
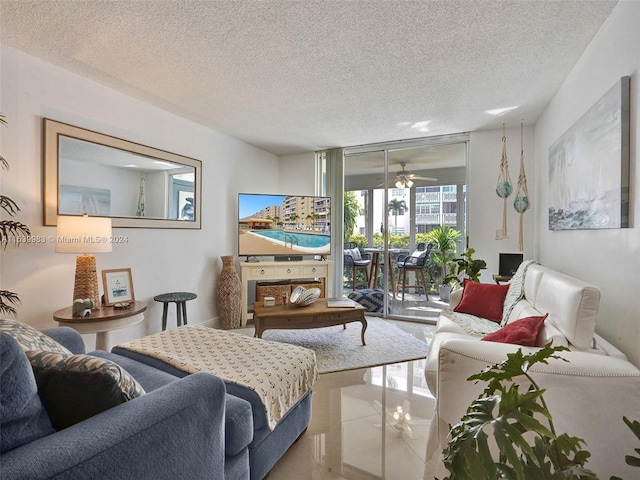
pixel 10 232
pixel 444 240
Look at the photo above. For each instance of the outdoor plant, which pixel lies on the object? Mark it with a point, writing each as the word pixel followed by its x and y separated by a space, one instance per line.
pixel 520 427
pixel 444 239
pixel 396 207
pixel 466 267
pixel 10 230
pixel 351 212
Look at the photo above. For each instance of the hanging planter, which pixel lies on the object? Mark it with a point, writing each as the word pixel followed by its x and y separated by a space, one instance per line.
pixel 521 202
pixel 504 187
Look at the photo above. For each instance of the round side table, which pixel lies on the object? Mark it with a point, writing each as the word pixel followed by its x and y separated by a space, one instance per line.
pixel 102 321
pixel 180 299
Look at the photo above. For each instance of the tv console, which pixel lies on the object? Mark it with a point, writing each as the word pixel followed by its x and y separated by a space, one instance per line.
pixel 272 271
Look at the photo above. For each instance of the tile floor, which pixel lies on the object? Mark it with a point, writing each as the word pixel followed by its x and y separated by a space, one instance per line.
pixel 353 433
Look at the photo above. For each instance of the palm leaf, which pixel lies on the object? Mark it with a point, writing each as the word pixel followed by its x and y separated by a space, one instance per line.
pixel 7 301
pixel 12 230
pixel 9 205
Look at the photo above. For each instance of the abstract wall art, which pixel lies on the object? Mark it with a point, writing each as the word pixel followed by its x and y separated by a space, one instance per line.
pixel 589 167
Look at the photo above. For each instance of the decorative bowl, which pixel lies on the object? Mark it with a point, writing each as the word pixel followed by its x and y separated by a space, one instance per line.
pixel 301 297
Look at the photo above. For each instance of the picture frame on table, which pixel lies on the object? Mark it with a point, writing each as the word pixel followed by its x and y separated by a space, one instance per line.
pixel 118 286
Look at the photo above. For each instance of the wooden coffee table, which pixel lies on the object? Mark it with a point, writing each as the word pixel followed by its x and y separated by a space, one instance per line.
pixel 316 315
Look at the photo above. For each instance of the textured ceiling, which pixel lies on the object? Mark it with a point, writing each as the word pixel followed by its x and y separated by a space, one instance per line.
pixel 295 76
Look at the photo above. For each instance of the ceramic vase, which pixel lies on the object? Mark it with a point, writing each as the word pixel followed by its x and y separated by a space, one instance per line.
pixel 228 293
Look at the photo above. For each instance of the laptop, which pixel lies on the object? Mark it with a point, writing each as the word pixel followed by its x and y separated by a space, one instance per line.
pixel 509 263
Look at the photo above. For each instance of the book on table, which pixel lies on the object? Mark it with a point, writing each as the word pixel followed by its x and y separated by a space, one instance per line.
pixel 341 303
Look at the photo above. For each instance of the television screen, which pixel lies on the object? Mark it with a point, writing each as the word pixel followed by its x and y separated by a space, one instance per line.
pixel 283 225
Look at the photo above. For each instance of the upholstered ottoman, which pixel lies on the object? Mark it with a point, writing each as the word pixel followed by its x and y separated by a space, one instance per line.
pixel 275 378
pixel 372 299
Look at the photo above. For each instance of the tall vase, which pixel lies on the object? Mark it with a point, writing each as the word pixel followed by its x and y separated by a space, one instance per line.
pixel 228 293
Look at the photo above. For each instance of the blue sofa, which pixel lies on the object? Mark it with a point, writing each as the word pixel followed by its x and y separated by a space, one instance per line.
pixel 185 426
pixel 155 436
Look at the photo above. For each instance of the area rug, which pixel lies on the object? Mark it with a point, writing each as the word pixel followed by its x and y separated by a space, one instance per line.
pixel 338 349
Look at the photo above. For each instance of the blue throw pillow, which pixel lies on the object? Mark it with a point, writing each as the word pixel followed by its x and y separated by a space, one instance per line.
pixel 29 338
pixel 23 417
pixel 77 387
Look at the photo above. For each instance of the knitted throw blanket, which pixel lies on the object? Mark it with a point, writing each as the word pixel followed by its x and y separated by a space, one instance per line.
pixel 280 374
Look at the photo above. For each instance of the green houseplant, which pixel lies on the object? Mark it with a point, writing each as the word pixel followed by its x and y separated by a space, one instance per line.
pixel 466 267
pixel 520 426
pixel 10 232
pixel 444 240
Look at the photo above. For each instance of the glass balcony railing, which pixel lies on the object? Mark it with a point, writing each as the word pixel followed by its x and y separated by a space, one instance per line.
pixel 436 219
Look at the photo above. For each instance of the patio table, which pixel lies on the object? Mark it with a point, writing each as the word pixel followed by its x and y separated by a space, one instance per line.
pixel 375 265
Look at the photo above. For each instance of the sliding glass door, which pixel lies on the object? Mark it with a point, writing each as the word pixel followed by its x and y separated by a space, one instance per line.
pixel 403 192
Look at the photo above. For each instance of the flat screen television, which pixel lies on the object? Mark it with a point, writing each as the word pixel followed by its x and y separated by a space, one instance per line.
pixel 283 225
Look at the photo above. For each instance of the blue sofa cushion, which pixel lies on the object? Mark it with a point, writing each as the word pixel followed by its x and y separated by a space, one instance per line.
pixel 23 417
pixel 76 387
pixel 29 338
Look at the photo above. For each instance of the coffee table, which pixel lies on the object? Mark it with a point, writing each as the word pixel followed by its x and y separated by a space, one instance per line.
pixel 316 315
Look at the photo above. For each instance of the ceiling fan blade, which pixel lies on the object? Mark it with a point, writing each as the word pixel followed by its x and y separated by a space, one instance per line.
pixel 429 179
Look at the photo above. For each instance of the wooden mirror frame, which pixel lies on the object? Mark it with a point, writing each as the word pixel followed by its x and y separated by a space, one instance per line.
pixel 53 130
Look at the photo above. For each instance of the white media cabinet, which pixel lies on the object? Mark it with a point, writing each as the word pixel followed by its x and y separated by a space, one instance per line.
pixel 273 271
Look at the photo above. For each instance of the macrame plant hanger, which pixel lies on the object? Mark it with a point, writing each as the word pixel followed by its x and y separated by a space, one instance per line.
pixel 521 202
pixel 504 188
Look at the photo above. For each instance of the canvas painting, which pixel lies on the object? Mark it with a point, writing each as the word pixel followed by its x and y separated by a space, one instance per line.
pixel 589 167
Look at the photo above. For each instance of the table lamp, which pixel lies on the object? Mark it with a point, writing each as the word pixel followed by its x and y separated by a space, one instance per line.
pixel 84 235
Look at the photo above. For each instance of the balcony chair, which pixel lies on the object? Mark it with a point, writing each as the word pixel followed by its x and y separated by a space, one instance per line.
pixel 414 263
pixel 355 261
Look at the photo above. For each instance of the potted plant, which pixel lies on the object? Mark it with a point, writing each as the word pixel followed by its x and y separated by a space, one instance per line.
pixel 520 427
pixel 444 239
pixel 466 267
pixel 10 231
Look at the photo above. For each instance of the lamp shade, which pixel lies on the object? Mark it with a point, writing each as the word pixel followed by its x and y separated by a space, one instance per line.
pixel 83 234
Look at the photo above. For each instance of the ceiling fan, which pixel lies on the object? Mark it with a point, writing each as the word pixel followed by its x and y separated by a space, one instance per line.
pixel 405 179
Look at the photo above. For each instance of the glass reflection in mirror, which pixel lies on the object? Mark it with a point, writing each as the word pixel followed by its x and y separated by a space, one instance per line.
pixel 135 185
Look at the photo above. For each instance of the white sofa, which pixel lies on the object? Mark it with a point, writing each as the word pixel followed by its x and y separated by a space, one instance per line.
pixel 588 396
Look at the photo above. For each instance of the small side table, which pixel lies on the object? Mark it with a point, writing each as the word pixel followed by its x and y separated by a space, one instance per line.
pixel 180 299
pixel 101 321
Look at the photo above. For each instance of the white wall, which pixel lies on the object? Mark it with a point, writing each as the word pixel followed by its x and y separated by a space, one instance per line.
pixel 161 260
pixel 297 174
pixel 484 207
pixel 610 259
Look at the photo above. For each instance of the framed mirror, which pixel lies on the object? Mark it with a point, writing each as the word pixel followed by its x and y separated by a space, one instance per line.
pixel 86 172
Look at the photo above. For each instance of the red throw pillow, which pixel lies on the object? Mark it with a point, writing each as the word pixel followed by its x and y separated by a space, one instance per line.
pixel 483 300
pixel 521 332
